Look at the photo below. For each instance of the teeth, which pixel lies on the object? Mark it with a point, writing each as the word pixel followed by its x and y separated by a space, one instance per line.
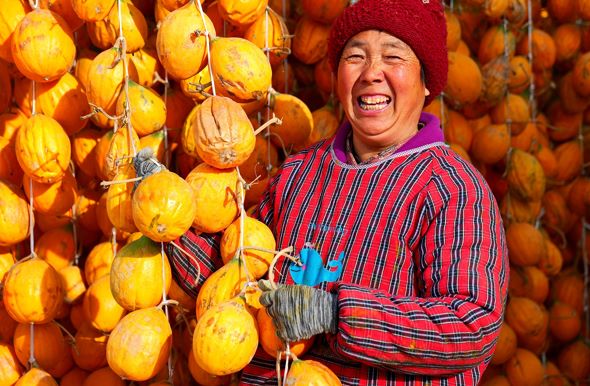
pixel 372 107
pixel 373 100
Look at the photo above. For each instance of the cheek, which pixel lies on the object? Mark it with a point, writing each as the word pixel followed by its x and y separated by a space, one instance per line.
pixel 406 81
pixel 343 86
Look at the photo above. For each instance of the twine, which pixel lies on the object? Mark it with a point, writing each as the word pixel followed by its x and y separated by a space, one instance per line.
pixel 208 42
pixel 288 354
pixel 114 240
pixel 163 256
pixel 165 127
pixel 164 304
pixel 77 243
pixel 31 220
pixel 71 337
pixel 532 101
pixel 505 101
pixel 266 49
pixel 32 361
pixel 123 53
pixel 585 263
pixel 33 97
pixel 240 250
pixel 268 134
pixel 506 74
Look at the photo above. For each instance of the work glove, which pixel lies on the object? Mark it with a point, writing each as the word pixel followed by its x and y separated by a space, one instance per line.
pixel 146 164
pixel 299 311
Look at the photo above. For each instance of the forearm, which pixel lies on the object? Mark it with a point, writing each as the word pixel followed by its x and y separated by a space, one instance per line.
pixel 431 336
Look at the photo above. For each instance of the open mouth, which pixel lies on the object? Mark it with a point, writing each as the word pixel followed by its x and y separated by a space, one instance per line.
pixel 372 103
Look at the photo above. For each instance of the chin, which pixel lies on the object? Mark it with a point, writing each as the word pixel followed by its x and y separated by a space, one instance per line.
pixel 375 136
pixel 370 127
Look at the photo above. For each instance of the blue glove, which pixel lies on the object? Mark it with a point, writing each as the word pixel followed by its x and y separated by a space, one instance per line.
pixel 299 311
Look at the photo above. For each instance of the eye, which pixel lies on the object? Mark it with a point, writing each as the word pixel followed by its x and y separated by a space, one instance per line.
pixel 354 57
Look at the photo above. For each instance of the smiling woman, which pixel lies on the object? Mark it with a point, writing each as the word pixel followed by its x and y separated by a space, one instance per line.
pixel 402 267
pixel 381 91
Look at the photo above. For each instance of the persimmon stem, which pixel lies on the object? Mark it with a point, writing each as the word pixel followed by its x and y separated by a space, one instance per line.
pixel 274 120
pixel 114 182
pixel 282 252
pixel 167 302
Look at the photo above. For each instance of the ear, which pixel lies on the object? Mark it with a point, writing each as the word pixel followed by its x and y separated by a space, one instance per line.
pixel 426 91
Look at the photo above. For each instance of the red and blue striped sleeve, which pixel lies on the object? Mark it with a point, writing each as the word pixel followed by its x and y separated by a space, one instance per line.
pixel 461 262
pixel 196 260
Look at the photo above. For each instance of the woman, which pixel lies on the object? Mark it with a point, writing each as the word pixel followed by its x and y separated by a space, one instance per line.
pixel 412 239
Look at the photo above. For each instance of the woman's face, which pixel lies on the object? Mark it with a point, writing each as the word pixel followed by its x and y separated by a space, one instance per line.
pixel 380 87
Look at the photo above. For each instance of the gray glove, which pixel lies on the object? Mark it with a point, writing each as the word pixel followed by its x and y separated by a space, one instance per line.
pixel 299 311
pixel 146 164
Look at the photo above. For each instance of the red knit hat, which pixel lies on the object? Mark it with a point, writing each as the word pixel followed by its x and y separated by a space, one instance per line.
pixel 418 23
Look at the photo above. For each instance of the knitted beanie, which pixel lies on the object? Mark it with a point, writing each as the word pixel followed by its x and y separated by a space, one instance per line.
pixel 420 24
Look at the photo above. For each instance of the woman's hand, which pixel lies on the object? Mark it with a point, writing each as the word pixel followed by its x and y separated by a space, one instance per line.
pixel 299 311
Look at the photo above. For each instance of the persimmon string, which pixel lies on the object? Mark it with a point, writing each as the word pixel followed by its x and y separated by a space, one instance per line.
pixel 165 305
pixel 208 45
pixel 74 221
pixel 32 360
pixel 163 256
pixel 165 127
pixel 506 58
pixel 286 60
pixel 269 165
pixel 114 240
pixel 266 49
pixel 508 121
pixel 31 218
pixel 122 45
pixel 287 356
pixel 69 334
pixel 278 368
pixel 585 259
pixel 586 263
pixel 532 101
pixel 267 52
pixel 75 234
pixel 33 97
pixel 240 250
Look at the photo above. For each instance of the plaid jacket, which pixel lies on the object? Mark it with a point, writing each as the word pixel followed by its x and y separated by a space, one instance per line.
pixel 421 242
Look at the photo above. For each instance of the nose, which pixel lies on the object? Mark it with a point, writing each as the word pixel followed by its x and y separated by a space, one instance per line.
pixel 373 71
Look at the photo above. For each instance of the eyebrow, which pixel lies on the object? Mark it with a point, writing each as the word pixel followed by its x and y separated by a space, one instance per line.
pixel 361 44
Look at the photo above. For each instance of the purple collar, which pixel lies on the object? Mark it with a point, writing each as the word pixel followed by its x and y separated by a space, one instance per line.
pixel 430 133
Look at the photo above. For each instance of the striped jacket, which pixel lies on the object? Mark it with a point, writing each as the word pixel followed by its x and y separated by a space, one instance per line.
pixel 421 243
